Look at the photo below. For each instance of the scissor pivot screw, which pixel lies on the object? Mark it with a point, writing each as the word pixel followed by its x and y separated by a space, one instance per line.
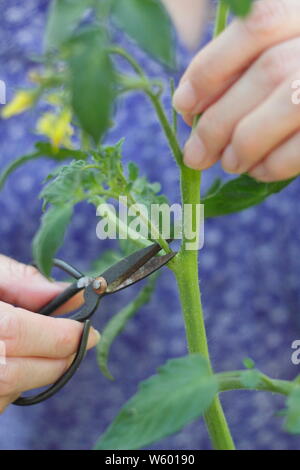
pixel 100 285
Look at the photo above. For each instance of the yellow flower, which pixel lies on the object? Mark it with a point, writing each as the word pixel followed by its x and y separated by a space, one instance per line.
pixel 57 127
pixel 21 101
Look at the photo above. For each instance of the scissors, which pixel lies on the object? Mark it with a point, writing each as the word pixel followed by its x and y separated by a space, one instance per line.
pixel 121 275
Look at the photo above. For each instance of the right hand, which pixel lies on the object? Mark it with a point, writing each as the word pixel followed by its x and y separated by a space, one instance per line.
pixel 36 349
pixel 243 82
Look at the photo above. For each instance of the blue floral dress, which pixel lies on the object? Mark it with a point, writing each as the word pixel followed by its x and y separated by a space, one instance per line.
pixel 249 270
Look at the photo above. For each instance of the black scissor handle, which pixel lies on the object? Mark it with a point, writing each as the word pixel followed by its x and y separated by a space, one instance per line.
pixel 47 310
pixel 61 382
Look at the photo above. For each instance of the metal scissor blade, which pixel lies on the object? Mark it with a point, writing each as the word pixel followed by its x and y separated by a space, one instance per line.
pixel 122 270
pixel 145 270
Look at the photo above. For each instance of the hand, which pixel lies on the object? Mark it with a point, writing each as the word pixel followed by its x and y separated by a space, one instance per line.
pixel 188 18
pixel 242 82
pixel 37 349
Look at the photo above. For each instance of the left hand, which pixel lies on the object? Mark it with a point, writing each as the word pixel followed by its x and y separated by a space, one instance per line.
pixel 242 82
pixel 35 350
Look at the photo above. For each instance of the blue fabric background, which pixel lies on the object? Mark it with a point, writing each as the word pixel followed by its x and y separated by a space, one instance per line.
pixel 250 268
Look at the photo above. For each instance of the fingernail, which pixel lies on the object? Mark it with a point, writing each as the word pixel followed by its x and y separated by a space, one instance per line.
pixel 194 152
pixel 230 161
pixel 97 335
pixel 259 172
pixel 185 98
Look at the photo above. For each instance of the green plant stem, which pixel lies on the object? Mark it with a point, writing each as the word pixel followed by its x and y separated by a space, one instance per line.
pixel 152 228
pixel 125 231
pixel 169 132
pixel 185 268
pixel 147 221
pixel 15 164
pixel 174 112
pixel 134 64
pixel 186 272
pixel 233 381
pixel 185 265
pixel 221 17
pixel 147 86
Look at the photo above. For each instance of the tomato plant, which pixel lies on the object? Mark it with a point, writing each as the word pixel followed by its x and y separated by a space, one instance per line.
pixel 79 79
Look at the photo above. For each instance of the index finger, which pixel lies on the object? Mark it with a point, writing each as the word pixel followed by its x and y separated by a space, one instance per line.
pixel 209 73
pixel 27 334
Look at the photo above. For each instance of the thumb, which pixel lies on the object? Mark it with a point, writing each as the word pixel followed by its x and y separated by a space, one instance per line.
pixel 24 286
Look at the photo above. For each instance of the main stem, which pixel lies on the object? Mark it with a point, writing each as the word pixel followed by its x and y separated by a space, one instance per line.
pixel 186 272
pixel 189 289
pixel 185 265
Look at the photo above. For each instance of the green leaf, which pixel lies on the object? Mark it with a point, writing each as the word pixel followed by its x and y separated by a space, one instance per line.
pixel 249 363
pixel 43 149
pixel 50 236
pixel 214 188
pixel 297 379
pixel 92 81
pixel 108 159
pixel 16 164
pixel 147 193
pixel 148 23
pixel 181 391
pixel 240 7
pixel 239 194
pixel 133 171
pixel 292 422
pixel 63 17
pixel 67 183
pixel 117 324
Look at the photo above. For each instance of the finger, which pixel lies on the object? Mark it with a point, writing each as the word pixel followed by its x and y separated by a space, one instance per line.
pixel 209 100
pixel 30 334
pixel 215 128
pixel 24 285
pixel 72 304
pixel 263 130
pixel 188 19
pixel 270 22
pixel 36 290
pixel 7 400
pixel 22 374
pixel 283 163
